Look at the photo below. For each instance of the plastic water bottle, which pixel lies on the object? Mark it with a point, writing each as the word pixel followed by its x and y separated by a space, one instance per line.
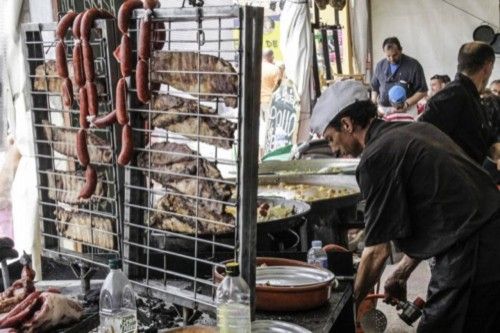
pixel 117 307
pixel 233 302
pixel 316 255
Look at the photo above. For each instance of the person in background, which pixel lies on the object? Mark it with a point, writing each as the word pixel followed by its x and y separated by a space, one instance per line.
pixel 457 111
pixel 425 194
pixel 491 104
pixel 398 68
pixel 397 97
pixel 495 87
pixel 437 83
pixel 271 78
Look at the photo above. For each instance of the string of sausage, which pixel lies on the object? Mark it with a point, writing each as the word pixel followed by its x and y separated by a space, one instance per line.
pixel 124 55
pixel 84 77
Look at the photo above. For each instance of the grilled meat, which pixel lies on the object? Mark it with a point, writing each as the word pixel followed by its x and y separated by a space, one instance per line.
pixel 175 165
pixel 212 130
pixel 86 228
pixel 46 74
pixel 65 187
pixel 64 141
pixel 219 223
pixel 209 85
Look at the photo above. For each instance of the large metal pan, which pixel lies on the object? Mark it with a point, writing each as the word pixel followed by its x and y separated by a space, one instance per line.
pixel 484 33
pixel 323 166
pixel 334 181
pixel 300 210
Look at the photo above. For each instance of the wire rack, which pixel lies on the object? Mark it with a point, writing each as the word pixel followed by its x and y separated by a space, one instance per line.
pixel 74 230
pixel 190 191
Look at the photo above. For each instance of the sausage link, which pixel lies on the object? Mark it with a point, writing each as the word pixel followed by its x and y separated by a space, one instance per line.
pixel 159 35
pixel 63 25
pixel 78 65
pixel 90 183
pixel 141 81
pixel 81 147
pixel 61 63
pixel 121 102
pixel 84 107
pixel 93 107
pixel 105 121
pixel 150 4
pixel 125 56
pixel 143 49
pixel 88 61
pixel 125 12
pixel 127 146
pixel 88 19
pixel 75 29
pixel 67 93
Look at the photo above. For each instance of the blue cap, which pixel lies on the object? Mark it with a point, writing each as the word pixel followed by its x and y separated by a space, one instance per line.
pixel 397 94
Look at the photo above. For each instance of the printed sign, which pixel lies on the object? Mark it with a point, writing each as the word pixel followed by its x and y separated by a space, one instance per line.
pixel 283 117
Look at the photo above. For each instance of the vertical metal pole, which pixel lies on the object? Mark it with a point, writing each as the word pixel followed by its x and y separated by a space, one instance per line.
pixel 251 61
pixel 326 53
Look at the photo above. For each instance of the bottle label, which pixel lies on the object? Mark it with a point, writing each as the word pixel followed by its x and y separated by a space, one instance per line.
pixel 128 324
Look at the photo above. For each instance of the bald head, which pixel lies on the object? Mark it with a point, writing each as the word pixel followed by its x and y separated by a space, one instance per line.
pixel 472 57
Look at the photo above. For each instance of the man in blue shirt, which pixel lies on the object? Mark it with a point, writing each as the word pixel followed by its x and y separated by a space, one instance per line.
pixel 398 69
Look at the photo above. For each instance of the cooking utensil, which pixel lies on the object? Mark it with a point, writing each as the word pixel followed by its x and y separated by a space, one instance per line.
pixel 484 33
pixel 374 321
pixel 308 167
pixel 292 276
pixel 272 298
pixel 276 326
pixel 496 43
pixel 191 329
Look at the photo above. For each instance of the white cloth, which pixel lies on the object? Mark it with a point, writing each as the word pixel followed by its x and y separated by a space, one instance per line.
pixel 296 43
pixel 24 193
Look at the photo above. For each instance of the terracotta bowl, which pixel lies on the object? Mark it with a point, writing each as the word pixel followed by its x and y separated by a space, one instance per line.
pixel 269 298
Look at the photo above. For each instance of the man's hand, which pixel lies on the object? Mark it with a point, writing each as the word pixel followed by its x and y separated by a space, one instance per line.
pixel 395 288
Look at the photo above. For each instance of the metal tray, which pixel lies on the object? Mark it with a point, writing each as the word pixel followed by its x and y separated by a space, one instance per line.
pixel 292 276
pixel 306 167
pixel 276 326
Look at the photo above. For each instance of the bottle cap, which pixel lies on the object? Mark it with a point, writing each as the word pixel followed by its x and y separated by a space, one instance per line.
pixel 115 263
pixel 317 243
pixel 419 303
pixel 233 268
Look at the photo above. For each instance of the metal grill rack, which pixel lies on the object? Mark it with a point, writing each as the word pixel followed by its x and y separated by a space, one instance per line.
pixel 87 233
pixel 159 257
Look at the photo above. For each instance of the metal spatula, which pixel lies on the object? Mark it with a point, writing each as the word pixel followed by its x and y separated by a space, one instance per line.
pixel 374 321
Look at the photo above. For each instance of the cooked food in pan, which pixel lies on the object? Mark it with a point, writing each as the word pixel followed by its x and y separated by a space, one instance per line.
pixel 267 212
pixel 212 130
pixel 303 192
pixel 216 76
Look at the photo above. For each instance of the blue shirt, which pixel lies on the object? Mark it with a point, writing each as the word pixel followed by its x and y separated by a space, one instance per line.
pixel 408 73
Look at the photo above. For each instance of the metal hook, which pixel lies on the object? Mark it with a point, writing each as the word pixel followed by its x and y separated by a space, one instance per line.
pixel 201 34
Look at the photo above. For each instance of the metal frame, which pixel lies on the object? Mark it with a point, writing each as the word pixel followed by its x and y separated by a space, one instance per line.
pixel 147 262
pixel 38 48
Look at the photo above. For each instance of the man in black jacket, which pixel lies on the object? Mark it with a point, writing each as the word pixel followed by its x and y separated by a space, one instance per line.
pixel 425 194
pixel 457 111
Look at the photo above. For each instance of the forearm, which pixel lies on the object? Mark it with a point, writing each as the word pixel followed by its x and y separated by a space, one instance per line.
pixel 405 267
pixel 415 98
pixel 370 269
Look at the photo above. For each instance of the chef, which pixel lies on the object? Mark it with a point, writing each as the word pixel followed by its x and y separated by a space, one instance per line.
pixel 425 194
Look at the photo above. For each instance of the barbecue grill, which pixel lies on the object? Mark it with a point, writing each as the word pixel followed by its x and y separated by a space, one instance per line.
pixel 74 234
pixel 183 276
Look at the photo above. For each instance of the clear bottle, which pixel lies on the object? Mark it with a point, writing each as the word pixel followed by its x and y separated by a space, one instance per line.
pixel 233 302
pixel 117 307
pixel 316 255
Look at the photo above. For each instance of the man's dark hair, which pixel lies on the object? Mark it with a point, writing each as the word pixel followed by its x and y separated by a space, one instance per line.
pixel 360 112
pixel 446 79
pixel 391 42
pixel 473 56
pixel 438 77
pixel 494 82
